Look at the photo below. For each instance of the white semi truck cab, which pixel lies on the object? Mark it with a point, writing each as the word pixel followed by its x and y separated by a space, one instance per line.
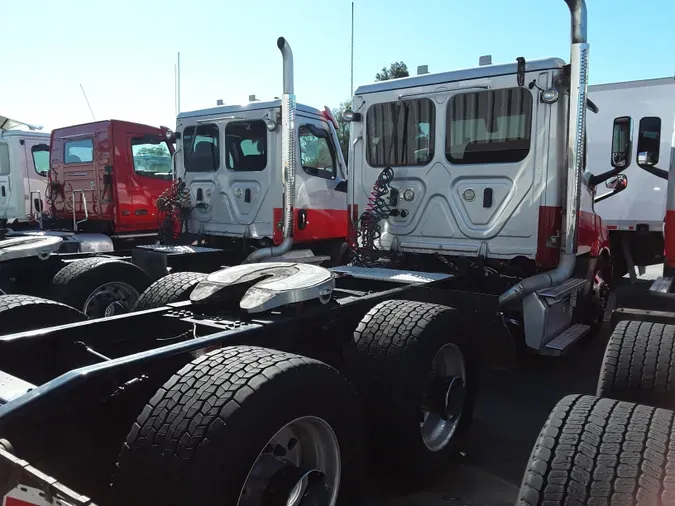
pixel 24 165
pixel 229 158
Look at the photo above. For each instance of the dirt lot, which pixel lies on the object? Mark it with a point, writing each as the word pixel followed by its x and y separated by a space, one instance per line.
pixel 511 409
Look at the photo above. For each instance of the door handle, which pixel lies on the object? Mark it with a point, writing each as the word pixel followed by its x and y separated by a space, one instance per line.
pixel 487 197
pixel 302 219
pixel 141 212
pixel 247 195
pixel 3 191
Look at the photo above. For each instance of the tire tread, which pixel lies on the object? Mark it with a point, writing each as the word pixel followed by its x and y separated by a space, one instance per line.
pixel 639 364
pixel 172 288
pixel 601 451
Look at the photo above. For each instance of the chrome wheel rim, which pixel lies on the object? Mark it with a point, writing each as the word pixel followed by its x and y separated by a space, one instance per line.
pixel 444 397
pixel 300 465
pixel 109 299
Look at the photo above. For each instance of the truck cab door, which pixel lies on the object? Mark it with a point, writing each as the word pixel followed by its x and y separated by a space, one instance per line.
pixel 150 174
pixel 37 170
pixel 232 177
pixel 5 187
pixel 321 206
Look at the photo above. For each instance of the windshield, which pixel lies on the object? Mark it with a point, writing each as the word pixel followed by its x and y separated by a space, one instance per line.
pixel 152 158
pixel 41 159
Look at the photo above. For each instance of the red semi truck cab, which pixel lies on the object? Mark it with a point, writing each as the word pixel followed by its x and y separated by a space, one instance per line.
pixel 106 176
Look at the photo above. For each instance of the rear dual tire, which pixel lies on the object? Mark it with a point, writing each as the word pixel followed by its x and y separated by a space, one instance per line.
pixel 411 365
pixel 217 416
pixel 639 364
pixel 213 426
pixel 99 286
pixel 602 451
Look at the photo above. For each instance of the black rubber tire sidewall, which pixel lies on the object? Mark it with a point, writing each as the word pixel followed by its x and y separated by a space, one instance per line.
pixel 73 284
pixel 391 387
pixel 156 469
pixel 20 313
pixel 171 288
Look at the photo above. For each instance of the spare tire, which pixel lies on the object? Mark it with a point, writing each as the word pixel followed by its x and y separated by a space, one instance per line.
pixel 99 286
pixel 171 288
pixel 601 451
pixel 242 425
pixel 20 313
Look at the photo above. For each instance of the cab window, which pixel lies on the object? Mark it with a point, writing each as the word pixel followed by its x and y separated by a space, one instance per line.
pixel 489 127
pixel 317 153
pixel 40 154
pixel 151 157
pixel 201 151
pixel 401 133
pixel 78 151
pixel 246 145
pixel 4 159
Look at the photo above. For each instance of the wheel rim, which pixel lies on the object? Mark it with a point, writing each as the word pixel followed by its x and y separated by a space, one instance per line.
pixel 299 466
pixel 444 397
pixel 109 299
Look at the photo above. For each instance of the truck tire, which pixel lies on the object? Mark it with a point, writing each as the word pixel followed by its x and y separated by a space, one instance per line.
pixel 171 288
pixel 639 364
pixel 407 359
pixel 601 451
pixel 99 286
pixel 18 313
pixel 236 409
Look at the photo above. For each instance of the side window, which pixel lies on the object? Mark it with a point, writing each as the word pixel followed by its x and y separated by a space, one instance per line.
pixel 201 152
pixel 246 145
pixel 317 153
pixel 4 159
pixel 40 154
pixel 489 127
pixel 400 133
pixel 151 157
pixel 79 151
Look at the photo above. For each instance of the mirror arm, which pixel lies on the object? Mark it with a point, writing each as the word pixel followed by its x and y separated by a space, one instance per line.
pixel 604 196
pixel 595 180
pixel 652 169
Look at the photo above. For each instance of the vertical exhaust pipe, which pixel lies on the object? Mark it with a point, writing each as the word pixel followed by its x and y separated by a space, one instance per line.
pixel 576 133
pixel 288 159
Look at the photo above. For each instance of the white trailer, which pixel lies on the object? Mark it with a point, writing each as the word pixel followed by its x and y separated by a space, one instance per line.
pixel 635 217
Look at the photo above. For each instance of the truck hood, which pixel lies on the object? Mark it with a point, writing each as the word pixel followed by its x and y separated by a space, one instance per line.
pixel 10 124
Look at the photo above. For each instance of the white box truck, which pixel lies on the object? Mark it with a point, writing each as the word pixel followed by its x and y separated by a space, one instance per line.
pixel 635 217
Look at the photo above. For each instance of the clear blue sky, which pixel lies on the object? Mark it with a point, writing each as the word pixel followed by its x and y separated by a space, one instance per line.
pixel 123 51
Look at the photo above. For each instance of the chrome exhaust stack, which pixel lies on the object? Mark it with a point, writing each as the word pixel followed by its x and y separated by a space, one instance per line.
pixel 576 132
pixel 288 159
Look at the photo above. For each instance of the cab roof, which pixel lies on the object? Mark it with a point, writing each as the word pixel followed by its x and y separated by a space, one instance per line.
pixel 85 126
pixel 4 134
pixel 459 75
pixel 250 106
pixel 7 123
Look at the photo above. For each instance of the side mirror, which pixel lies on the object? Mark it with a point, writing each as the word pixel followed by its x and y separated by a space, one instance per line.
pixel 649 142
pixel 617 184
pixel 620 180
pixel 622 142
pixel 341 186
pixel 622 151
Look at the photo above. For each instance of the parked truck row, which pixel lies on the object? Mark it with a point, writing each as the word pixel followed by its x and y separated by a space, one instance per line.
pixel 473 240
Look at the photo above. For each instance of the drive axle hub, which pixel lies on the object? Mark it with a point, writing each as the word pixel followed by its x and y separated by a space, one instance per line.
pixel 278 482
